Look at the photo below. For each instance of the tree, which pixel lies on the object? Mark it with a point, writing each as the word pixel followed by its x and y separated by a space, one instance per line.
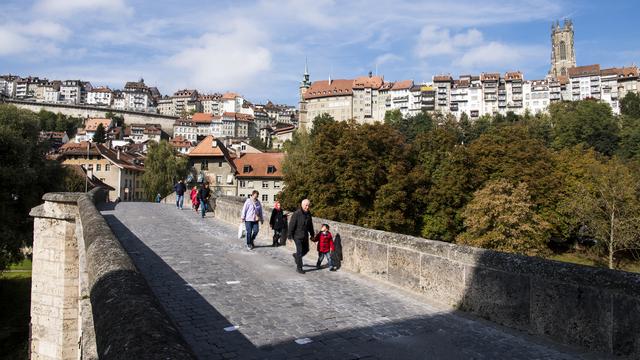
pixel 630 105
pixel 321 121
pixel 606 201
pixel 162 168
pixel 629 146
pixel 100 135
pixel 258 144
pixel 25 176
pixel 584 122
pixel 501 216
pixel 409 126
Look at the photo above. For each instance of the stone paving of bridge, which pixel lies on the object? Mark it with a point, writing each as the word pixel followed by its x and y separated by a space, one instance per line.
pixel 207 281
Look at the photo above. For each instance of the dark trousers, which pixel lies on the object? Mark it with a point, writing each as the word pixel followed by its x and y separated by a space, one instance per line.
pixel 302 248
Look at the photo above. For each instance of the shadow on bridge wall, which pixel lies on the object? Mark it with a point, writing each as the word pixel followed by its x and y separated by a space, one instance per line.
pixel 446 335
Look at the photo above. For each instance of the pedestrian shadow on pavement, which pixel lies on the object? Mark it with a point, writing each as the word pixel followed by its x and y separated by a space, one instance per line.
pixel 444 335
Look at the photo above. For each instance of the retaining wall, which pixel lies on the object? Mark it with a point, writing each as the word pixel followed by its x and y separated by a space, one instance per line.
pixel 594 308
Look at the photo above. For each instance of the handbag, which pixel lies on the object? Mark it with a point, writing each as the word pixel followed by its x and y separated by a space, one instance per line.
pixel 242 231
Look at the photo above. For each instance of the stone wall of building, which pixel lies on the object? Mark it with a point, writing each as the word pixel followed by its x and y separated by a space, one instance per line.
pixel 590 307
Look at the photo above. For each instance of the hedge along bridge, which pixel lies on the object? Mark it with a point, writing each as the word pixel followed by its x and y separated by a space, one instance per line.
pixel 91 298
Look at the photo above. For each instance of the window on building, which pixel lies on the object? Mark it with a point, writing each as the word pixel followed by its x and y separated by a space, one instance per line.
pixel 275 198
pixel 98 167
pixel 246 168
pixel 265 197
pixel 242 184
pixel 265 184
pixel 271 169
pixel 563 50
pixel 276 184
pixel 220 163
pixel 218 179
pixel 204 165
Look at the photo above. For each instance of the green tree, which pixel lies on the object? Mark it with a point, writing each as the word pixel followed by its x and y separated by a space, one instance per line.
pixel 630 105
pixel 584 122
pixel 295 169
pixel 629 146
pixel 319 122
pixel 25 176
pixel 606 201
pixel 501 216
pixel 100 135
pixel 258 144
pixel 162 168
pixel 409 126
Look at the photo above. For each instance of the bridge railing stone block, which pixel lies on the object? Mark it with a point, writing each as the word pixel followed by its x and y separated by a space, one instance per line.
pixel 598 309
pixel 88 299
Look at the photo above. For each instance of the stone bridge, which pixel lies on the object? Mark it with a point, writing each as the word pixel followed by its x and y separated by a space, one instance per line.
pixel 149 281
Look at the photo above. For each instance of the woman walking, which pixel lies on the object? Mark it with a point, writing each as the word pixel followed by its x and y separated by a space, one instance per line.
pixel 251 214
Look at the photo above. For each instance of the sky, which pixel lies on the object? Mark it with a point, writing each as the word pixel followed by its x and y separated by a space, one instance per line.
pixel 258 48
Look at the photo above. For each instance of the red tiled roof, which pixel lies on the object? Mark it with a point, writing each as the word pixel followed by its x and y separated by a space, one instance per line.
pixel 489 76
pixel 92 124
pixel 373 82
pixel 200 118
pixel 623 72
pixel 402 85
pixel 587 70
pixel 229 96
pixel 324 88
pixel 513 75
pixel 206 148
pixel 442 78
pixel 259 165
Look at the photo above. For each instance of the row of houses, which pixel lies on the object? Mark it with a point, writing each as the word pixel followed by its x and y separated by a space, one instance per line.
pixel 367 99
pixel 231 168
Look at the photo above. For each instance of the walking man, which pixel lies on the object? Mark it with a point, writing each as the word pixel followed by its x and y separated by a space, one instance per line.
pixel 180 189
pixel 203 197
pixel 251 214
pixel 300 230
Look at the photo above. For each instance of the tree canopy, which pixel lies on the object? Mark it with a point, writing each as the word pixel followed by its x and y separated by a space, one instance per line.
pixel 507 182
pixel 25 175
pixel 163 167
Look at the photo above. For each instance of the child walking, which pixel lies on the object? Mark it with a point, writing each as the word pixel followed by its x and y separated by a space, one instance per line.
pixel 325 246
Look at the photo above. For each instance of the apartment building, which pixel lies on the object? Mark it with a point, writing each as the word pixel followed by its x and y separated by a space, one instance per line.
pixel 210 161
pixel 261 172
pixel 101 96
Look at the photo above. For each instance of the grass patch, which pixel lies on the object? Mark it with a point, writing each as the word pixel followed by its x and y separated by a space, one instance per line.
pixel 23 265
pixel 582 259
pixel 15 302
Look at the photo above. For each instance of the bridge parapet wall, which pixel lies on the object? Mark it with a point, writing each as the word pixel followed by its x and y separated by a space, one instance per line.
pixel 594 308
pixel 88 300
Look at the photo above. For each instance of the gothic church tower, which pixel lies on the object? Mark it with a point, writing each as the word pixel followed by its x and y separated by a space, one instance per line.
pixel 563 55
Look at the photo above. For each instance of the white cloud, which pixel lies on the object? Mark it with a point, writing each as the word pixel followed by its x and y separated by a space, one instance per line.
pixel 435 41
pixel 46 29
pixel 68 8
pixel 496 55
pixel 230 60
pixel 387 58
pixel 12 42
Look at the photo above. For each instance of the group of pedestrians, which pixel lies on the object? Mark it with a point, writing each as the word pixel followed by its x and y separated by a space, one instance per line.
pixel 200 196
pixel 300 230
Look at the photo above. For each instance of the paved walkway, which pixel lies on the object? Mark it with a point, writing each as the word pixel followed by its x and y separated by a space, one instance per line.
pixel 207 281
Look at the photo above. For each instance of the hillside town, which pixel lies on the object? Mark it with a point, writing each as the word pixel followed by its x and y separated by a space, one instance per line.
pixel 218 132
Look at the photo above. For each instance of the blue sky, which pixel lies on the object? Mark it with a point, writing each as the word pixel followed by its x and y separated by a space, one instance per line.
pixel 258 48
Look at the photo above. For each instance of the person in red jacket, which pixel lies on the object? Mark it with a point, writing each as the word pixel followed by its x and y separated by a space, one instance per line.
pixel 325 246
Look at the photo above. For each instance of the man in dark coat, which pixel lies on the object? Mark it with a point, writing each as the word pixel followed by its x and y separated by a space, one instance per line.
pixel 301 230
pixel 180 188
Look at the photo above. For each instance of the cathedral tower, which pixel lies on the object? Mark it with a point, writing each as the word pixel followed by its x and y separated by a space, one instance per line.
pixel 563 55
